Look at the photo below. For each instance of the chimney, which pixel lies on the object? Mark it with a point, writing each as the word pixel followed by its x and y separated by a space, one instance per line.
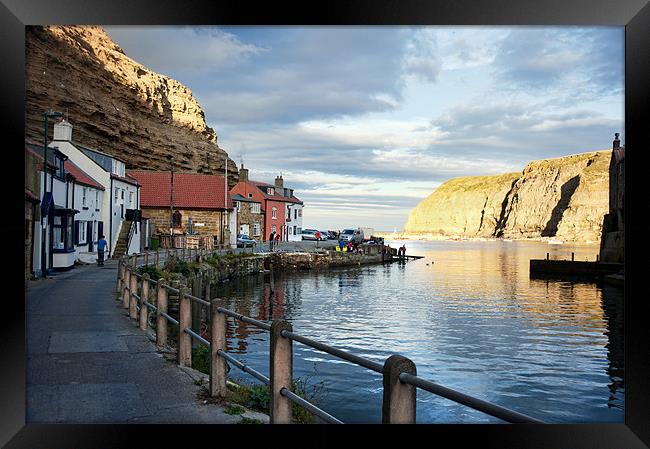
pixel 278 182
pixel 616 143
pixel 63 131
pixel 243 173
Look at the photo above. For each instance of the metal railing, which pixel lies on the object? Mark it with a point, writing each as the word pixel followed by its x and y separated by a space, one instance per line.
pixel 400 380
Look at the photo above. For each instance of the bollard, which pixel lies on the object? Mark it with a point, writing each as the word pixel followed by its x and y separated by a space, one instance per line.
pixel 281 368
pixel 546 256
pixel 161 321
pixel 398 406
pixel 572 256
pixel 144 299
pixel 133 312
pixel 218 372
pixel 185 321
pixel 127 287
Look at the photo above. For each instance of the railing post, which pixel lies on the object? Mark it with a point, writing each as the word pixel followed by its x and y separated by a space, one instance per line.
pixel 126 287
pixel 134 259
pixel 185 321
pixel 398 405
pixel 281 369
pixel 156 257
pixel 146 258
pixel 572 257
pixel 133 312
pixel 144 299
pixel 218 373
pixel 161 321
pixel 120 275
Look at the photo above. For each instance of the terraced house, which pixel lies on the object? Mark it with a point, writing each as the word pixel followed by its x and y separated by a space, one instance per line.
pixel 197 205
pixel 282 211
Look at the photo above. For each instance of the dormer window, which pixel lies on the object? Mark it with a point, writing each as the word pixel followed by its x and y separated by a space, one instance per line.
pixel 270 191
pixel 60 170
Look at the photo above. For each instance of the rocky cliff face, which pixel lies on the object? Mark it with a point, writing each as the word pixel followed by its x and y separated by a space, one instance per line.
pixel 565 198
pixel 115 104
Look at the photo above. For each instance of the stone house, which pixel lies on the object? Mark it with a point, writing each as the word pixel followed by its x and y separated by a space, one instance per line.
pixel 278 205
pixel 250 220
pixel 198 204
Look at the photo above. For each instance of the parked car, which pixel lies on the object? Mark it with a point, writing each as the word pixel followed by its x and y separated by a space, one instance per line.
pixel 352 235
pixel 244 241
pixel 308 234
pixel 332 235
pixel 324 235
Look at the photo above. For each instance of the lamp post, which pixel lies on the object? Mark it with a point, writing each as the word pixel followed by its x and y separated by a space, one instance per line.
pixel 53 114
pixel 171 199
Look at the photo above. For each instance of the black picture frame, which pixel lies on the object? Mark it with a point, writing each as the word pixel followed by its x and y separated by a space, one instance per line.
pixel 633 14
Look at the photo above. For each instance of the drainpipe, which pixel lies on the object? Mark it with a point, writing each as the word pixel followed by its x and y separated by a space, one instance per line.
pixel 110 219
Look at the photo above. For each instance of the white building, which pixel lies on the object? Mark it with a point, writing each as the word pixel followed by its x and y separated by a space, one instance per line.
pixel 294 221
pixel 120 201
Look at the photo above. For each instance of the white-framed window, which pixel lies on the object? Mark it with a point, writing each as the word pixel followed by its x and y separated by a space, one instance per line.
pixel 270 191
pixel 295 214
pixel 131 200
pixel 250 195
pixel 274 213
pixel 256 229
pixel 295 230
pixel 255 208
pixel 273 228
pixel 238 206
pixel 298 230
pixel 84 195
pixel 82 232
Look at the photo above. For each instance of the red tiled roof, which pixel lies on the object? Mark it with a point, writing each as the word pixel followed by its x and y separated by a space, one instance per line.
pixel 275 196
pixel 80 176
pixel 191 190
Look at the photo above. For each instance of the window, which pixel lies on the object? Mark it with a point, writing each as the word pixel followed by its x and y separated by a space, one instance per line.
pixel 256 229
pixel 294 230
pixel 131 200
pixel 300 212
pixel 238 206
pixel 255 208
pixel 62 232
pixel 298 231
pixel 250 195
pixel 84 194
pixel 81 238
pixel 60 170
pixel 274 213
pixel 270 191
pixel 295 213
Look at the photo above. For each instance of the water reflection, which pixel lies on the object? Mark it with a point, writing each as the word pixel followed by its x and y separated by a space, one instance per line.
pixel 470 318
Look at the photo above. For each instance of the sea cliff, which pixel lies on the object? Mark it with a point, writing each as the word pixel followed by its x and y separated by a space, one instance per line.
pixel 564 198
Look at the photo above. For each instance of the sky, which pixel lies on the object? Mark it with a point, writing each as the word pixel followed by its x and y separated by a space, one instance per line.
pixel 365 122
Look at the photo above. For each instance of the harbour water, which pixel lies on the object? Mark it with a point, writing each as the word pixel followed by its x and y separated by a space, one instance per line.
pixel 470 318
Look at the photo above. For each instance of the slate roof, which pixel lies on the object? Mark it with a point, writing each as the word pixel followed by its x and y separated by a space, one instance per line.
pixel 191 190
pixel 275 196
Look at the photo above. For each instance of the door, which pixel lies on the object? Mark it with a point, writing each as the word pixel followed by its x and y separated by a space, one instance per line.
pixel 122 205
pixel 89 235
pixel 100 229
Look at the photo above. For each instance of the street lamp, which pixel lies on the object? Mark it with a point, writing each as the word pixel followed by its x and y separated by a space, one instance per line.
pixel 53 114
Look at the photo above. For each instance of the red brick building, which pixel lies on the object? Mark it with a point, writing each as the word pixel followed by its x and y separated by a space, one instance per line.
pixel 275 200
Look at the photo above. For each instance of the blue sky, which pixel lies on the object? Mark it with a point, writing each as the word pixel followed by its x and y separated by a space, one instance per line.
pixel 365 122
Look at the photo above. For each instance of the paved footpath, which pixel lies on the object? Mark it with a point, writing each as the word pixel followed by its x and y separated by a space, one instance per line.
pixel 87 361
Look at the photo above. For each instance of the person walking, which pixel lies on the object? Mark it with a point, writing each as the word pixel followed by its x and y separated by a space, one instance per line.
pixel 101 247
pixel 277 239
pixel 271 240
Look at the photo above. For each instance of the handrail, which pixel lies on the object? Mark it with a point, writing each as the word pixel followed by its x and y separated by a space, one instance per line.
pixel 403 377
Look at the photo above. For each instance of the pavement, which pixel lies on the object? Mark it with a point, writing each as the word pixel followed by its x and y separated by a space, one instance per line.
pixel 88 362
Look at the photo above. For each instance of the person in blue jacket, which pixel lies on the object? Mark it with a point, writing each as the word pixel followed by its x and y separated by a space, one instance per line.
pixel 101 247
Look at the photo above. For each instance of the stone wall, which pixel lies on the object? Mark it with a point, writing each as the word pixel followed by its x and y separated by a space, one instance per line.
pixel 159 219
